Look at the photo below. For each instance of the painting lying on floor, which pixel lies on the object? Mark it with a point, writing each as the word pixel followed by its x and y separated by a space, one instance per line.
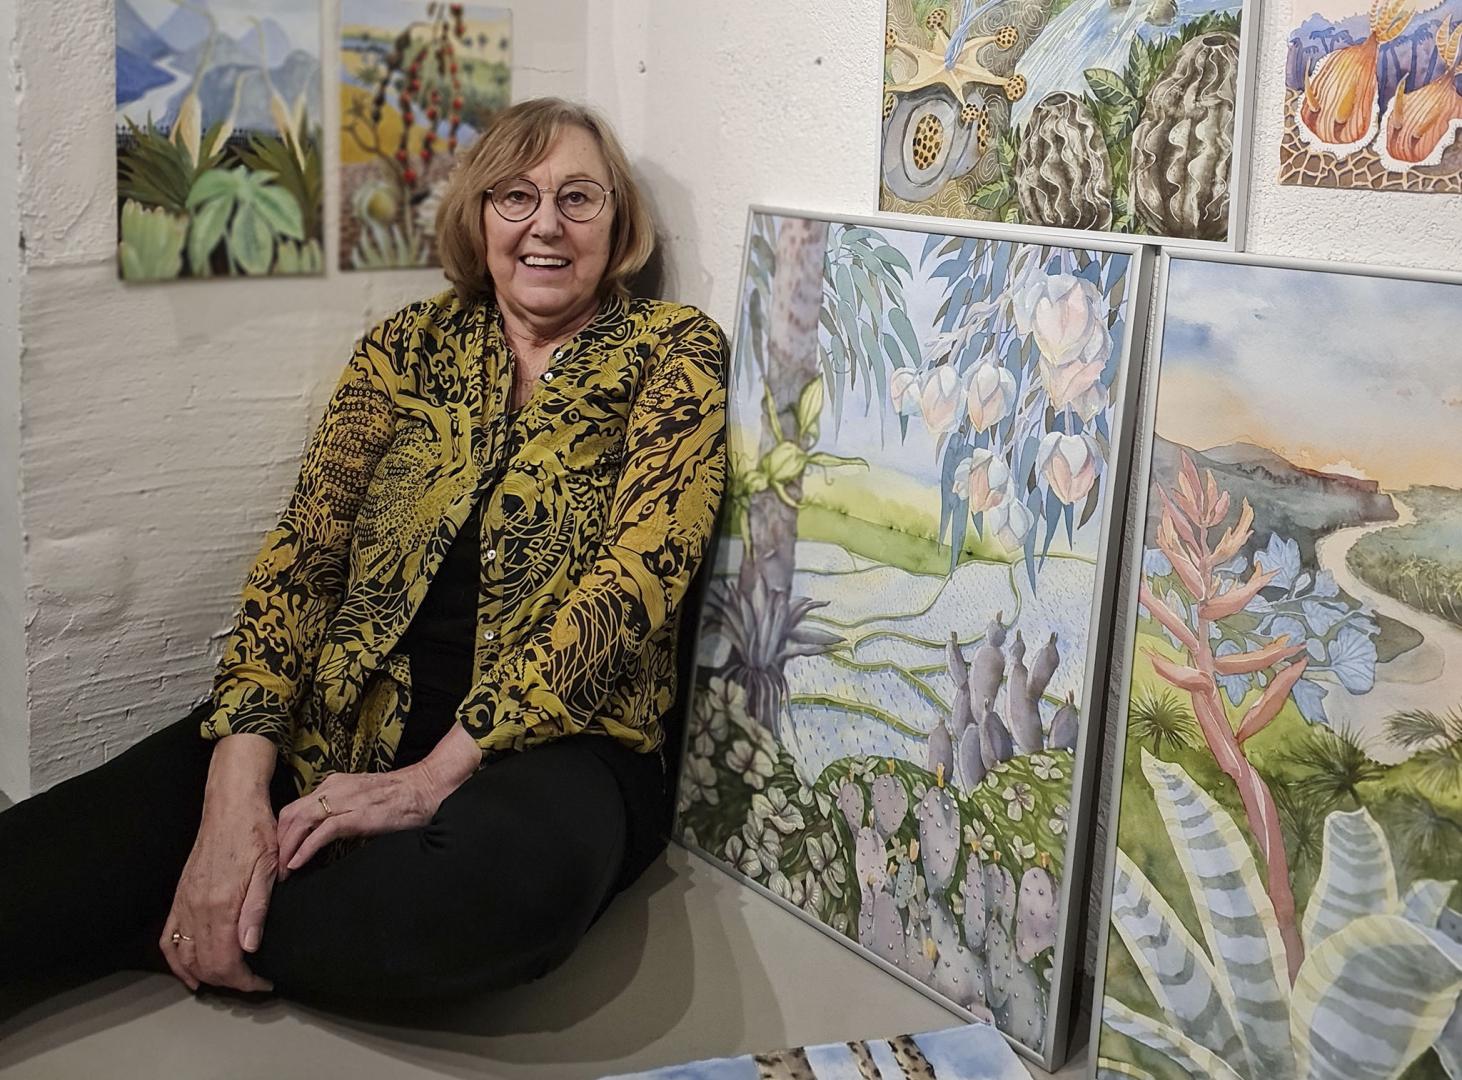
pixel 1284 897
pixel 1123 116
pixel 899 647
pixel 218 139
pixel 971 1052
pixel 418 80
pixel 1371 96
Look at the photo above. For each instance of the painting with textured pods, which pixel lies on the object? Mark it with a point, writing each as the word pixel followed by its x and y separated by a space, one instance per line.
pixel 418 80
pixel 902 636
pixel 1284 879
pixel 1372 96
pixel 971 1052
pixel 218 139
pixel 1125 116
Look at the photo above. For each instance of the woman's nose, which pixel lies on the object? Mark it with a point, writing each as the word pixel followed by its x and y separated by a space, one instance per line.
pixel 546 220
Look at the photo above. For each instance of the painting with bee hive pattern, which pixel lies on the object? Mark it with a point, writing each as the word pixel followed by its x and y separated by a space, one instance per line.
pixel 1125 116
pixel 1372 96
pixel 905 625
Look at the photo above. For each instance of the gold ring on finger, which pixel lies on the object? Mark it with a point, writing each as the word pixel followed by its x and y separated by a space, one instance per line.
pixel 178 936
pixel 324 804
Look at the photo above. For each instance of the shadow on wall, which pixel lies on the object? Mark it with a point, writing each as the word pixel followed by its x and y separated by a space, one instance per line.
pixel 669 203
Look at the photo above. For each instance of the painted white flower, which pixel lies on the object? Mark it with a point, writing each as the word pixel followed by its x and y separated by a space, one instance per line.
pixel 939 397
pixel 754 766
pixel 1058 821
pixel 1009 520
pixel 980 840
pixel 990 396
pixel 765 842
pixel 981 477
pixel 1018 799
pixel 903 391
pixel 1066 316
pixel 1046 768
pixel 775 810
pixel 698 783
pixel 1069 464
pixel 744 858
pixel 1025 851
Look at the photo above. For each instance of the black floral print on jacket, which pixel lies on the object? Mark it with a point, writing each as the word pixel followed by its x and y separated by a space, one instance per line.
pixel 597 513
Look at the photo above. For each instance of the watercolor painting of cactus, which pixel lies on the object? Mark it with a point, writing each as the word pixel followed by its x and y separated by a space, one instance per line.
pixel 1284 896
pixel 418 80
pixel 1373 96
pixel 902 636
pixel 970 1052
pixel 218 141
pixel 1125 116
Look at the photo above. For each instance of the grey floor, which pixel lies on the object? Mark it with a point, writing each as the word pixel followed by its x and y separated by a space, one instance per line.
pixel 688 964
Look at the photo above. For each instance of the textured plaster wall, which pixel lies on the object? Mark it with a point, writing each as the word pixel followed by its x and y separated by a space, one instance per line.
pixel 162 424
pixel 14 727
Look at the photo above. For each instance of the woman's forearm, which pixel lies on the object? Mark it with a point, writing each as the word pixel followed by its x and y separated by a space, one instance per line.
pixel 242 766
pixel 455 757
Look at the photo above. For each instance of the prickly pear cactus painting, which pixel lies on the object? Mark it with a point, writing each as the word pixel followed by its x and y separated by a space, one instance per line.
pixel 1284 899
pixel 889 717
pixel 1371 96
pixel 1100 115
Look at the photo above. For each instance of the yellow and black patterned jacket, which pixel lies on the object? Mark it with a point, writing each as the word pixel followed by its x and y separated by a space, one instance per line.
pixel 595 519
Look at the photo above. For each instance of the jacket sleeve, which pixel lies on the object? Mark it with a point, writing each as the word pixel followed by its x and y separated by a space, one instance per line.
pixel 660 520
pixel 300 574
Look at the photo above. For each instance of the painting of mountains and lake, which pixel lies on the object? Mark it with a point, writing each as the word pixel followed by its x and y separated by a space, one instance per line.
pixel 418 79
pixel 218 138
pixel 1284 884
pixel 904 629
pixel 1372 96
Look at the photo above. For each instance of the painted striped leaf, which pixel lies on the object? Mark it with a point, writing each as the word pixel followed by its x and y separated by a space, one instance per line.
pixel 1111 1069
pixel 1199 1062
pixel 1372 998
pixel 1237 918
pixel 1425 901
pixel 1357 877
pixel 1173 965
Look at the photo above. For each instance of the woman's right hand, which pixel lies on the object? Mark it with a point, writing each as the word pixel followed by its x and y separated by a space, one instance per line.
pixel 223 893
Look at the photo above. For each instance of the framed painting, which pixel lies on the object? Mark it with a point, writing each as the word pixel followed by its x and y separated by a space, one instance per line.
pixel 218 139
pixel 1371 97
pixel 1283 878
pixel 905 630
pixel 418 79
pixel 1097 116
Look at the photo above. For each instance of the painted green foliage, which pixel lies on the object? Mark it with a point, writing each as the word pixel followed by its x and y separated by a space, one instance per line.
pixel 1377 988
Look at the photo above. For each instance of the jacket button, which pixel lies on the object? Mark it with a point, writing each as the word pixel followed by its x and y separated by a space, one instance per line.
pixel 491 554
pixel 489 636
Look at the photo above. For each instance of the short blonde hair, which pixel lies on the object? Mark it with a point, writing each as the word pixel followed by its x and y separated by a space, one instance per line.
pixel 517 139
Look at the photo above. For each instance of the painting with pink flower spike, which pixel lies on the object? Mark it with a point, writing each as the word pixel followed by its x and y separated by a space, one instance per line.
pixel 905 627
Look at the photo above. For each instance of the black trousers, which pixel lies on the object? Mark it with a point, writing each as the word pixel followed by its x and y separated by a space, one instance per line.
pixel 496 890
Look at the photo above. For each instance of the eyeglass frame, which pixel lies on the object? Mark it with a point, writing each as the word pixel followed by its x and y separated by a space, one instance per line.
pixel 608 191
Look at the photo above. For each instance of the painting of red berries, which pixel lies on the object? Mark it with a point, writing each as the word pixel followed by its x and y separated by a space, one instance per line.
pixel 418 79
pixel 219 169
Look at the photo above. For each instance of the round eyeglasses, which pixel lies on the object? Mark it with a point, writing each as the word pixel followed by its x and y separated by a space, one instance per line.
pixel 577 200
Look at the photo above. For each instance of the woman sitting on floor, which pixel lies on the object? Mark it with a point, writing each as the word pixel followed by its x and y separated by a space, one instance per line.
pixel 448 670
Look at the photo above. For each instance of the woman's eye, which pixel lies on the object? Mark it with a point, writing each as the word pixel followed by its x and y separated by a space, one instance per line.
pixel 515 197
pixel 575 198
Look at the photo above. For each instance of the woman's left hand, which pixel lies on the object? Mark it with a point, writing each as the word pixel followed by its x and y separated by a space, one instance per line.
pixel 353 805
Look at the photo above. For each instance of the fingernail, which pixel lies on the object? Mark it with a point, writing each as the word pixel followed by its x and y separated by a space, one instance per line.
pixel 251 939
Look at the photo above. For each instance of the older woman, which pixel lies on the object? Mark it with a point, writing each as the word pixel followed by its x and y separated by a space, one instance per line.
pixel 431 756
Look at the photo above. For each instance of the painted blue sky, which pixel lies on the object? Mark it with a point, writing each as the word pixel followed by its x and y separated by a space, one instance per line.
pixel 1335 371
pixel 300 19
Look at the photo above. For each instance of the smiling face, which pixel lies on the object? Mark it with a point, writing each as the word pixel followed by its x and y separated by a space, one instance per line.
pixel 546 268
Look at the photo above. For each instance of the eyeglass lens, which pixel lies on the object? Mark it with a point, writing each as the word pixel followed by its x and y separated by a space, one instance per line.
pixel 578 200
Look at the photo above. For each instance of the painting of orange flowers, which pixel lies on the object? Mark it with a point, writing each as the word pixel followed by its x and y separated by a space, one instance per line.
pixel 1373 97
